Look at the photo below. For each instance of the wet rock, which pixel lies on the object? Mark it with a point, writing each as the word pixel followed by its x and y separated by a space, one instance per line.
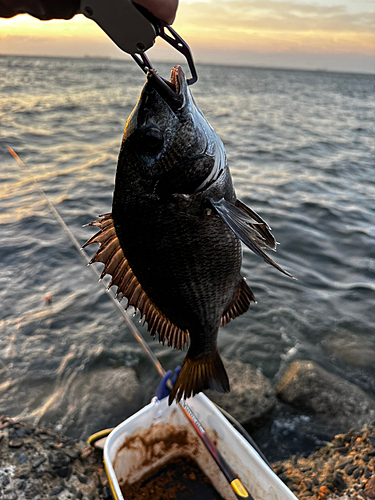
pixel 10 495
pixel 38 460
pixel 72 453
pixel 310 388
pixel 368 473
pixel 353 348
pixel 306 494
pixel 56 490
pixel 49 472
pixel 94 397
pixel 321 472
pixel 107 493
pixel 15 443
pixel 21 484
pixel 358 472
pixel 32 490
pixel 251 398
pixel 44 437
pixel 349 469
pixel 343 462
pixel 23 471
pixel 64 472
pixel 308 484
pixel 338 481
pixel 58 459
pixel 370 488
pixel 22 458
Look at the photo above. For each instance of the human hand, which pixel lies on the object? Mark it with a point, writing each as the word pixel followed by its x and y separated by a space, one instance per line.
pixel 66 9
pixel 162 9
pixel 42 9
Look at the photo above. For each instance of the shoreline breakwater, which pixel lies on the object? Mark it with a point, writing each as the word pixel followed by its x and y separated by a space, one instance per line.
pixel 38 463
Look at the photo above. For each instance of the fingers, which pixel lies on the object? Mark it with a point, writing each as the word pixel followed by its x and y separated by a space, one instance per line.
pixel 66 9
pixel 162 9
pixel 42 9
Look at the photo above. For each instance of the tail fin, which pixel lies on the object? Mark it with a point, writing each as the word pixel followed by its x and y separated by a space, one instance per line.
pixel 199 374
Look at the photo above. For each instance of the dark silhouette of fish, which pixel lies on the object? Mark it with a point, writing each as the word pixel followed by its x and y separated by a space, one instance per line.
pixel 172 242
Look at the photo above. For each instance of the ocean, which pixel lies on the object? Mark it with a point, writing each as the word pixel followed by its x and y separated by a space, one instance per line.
pixel 301 149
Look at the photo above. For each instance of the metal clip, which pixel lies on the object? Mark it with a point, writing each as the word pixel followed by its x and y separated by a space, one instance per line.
pixel 179 44
pixel 139 31
pixel 143 62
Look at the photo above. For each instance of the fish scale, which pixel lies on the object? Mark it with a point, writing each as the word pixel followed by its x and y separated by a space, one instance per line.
pixel 194 285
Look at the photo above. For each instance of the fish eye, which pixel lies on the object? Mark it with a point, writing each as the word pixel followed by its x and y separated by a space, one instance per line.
pixel 152 140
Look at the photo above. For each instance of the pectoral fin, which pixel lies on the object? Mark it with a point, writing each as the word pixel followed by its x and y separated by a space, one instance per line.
pixel 249 227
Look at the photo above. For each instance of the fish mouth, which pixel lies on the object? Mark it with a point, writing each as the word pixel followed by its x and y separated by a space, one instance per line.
pixel 171 91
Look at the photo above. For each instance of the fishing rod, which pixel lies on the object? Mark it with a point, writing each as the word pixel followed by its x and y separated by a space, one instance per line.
pixel 238 488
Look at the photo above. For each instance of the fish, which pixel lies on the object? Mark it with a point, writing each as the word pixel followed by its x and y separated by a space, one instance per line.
pixel 172 243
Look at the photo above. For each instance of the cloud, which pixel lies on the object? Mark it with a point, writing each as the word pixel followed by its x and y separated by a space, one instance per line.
pixel 281 25
pixel 274 15
pixel 269 32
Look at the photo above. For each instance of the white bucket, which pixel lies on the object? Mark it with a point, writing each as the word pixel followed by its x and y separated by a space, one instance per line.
pixel 145 441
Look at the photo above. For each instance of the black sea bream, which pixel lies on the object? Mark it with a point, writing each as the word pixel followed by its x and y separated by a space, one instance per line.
pixel 172 242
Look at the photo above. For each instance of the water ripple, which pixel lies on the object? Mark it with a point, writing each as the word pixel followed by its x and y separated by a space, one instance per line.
pixel 302 153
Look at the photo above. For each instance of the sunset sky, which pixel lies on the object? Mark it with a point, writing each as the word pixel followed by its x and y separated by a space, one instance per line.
pixel 309 34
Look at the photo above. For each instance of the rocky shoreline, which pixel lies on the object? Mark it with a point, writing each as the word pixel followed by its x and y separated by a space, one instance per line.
pixel 40 464
pixel 343 468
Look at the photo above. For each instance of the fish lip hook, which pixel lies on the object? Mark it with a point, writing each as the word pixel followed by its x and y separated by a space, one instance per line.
pixel 178 43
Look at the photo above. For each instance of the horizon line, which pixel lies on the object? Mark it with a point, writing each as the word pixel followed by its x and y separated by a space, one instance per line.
pixel 234 65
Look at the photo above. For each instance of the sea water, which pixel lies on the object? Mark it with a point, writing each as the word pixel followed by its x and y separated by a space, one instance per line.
pixel 301 150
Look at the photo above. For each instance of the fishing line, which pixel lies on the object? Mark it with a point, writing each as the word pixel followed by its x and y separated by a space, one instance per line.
pixel 120 309
pixel 237 487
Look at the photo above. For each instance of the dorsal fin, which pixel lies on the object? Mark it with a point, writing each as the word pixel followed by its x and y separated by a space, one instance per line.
pixel 240 303
pixel 115 263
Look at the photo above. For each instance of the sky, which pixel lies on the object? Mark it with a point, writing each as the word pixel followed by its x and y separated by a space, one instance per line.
pixel 336 35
